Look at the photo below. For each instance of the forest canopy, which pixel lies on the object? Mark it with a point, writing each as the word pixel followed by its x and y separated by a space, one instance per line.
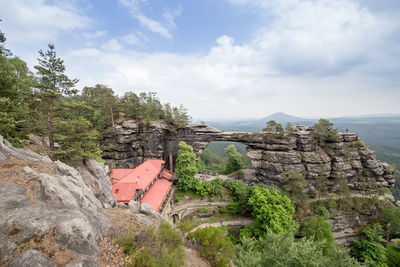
pixel 47 103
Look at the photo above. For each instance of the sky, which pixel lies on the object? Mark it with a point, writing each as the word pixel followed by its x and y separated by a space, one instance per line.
pixel 225 58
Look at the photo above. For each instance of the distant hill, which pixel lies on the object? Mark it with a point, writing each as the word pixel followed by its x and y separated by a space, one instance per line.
pixel 381 132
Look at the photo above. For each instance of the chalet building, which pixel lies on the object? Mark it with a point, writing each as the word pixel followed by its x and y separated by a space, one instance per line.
pixel 148 183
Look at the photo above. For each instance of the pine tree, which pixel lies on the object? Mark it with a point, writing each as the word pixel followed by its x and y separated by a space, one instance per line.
pixel 53 83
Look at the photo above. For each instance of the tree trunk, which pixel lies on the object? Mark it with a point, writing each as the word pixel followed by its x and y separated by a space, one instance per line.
pixel 50 123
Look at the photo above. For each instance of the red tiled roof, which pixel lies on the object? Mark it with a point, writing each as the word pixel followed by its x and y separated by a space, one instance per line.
pixel 157 193
pixel 127 181
pixel 124 192
pixel 143 174
pixel 167 174
pixel 118 174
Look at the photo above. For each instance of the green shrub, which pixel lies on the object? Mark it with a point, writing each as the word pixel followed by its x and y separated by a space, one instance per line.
pixel 281 250
pixel 393 255
pixel 155 248
pixel 321 210
pixel 391 217
pixel 370 249
pixel 319 229
pixel 216 247
pixel 358 144
pixel 271 210
pixel 129 245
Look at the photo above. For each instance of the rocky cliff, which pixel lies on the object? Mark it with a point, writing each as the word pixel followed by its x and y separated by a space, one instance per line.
pixel 129 144
pixel 51 214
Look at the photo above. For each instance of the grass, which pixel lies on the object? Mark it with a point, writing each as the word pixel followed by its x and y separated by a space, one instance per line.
pixel 153 247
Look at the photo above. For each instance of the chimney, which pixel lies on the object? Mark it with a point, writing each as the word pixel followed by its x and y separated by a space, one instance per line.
pixel 171 164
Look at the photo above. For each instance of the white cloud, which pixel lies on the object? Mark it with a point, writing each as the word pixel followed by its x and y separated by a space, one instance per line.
pixel 111 45
pixel 93 35
pixel 30 21
pixel 322 37
pixel 151 24
pixel 170 15
pixel 230 81
pixel 131 39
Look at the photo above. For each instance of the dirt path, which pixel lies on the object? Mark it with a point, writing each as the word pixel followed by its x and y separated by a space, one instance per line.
pixel 197 204
pixel 243 221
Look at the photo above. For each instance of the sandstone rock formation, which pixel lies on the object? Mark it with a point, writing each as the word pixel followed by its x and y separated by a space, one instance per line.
pixel 51 208
pixel 129 144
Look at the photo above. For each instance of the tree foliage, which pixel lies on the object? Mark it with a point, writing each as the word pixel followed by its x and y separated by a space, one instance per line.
pixel 148 107
pixel 324 132
pixel 281 250
pixel 216 247
pixel 53 83
pixel 74 133
pixel 235 161
pixel 274 128
pixel 370 249
pixel 295 184
pixel 271 210
pixel 318 228
pixel 186 167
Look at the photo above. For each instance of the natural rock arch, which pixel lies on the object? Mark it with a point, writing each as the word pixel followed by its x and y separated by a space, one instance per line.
pixel 129 144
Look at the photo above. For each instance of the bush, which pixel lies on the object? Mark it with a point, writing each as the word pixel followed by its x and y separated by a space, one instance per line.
pixel 391 217
pixel 216 247
pixel 281 250
pixel 358 144
pixel 271 210
pixel 370 250
pixel 321 210
pixel 393 255
pixel 319 229
pixel 155 249
pixel 186 167
pixel 235 160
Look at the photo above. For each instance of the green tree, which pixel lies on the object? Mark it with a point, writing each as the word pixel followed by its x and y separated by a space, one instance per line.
pixel 186 167
pixel 75 134
pixel 370 249
pixel 216 247
pixel 324 132
pixel 16 95
pixel 274 128
pixel 53 83
pixel 290 129
pixel 393 255
pixel 391 217
pixel 318 228
pixel 235 160
pixel 321 182
pixel 271 210
pixel 295 184
pixel 101 99
pixel 281 250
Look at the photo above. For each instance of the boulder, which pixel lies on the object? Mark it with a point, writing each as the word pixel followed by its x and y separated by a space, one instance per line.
pixel 134 206
pixel 32 258
pixel 67 206
pixel 146 209
pixel 84 262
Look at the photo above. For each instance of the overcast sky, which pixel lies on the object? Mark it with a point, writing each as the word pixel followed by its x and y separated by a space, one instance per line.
pixel 225 58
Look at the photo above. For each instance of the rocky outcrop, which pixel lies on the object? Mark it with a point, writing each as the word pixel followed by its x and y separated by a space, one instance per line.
pixel 51 208
pixel 129 144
